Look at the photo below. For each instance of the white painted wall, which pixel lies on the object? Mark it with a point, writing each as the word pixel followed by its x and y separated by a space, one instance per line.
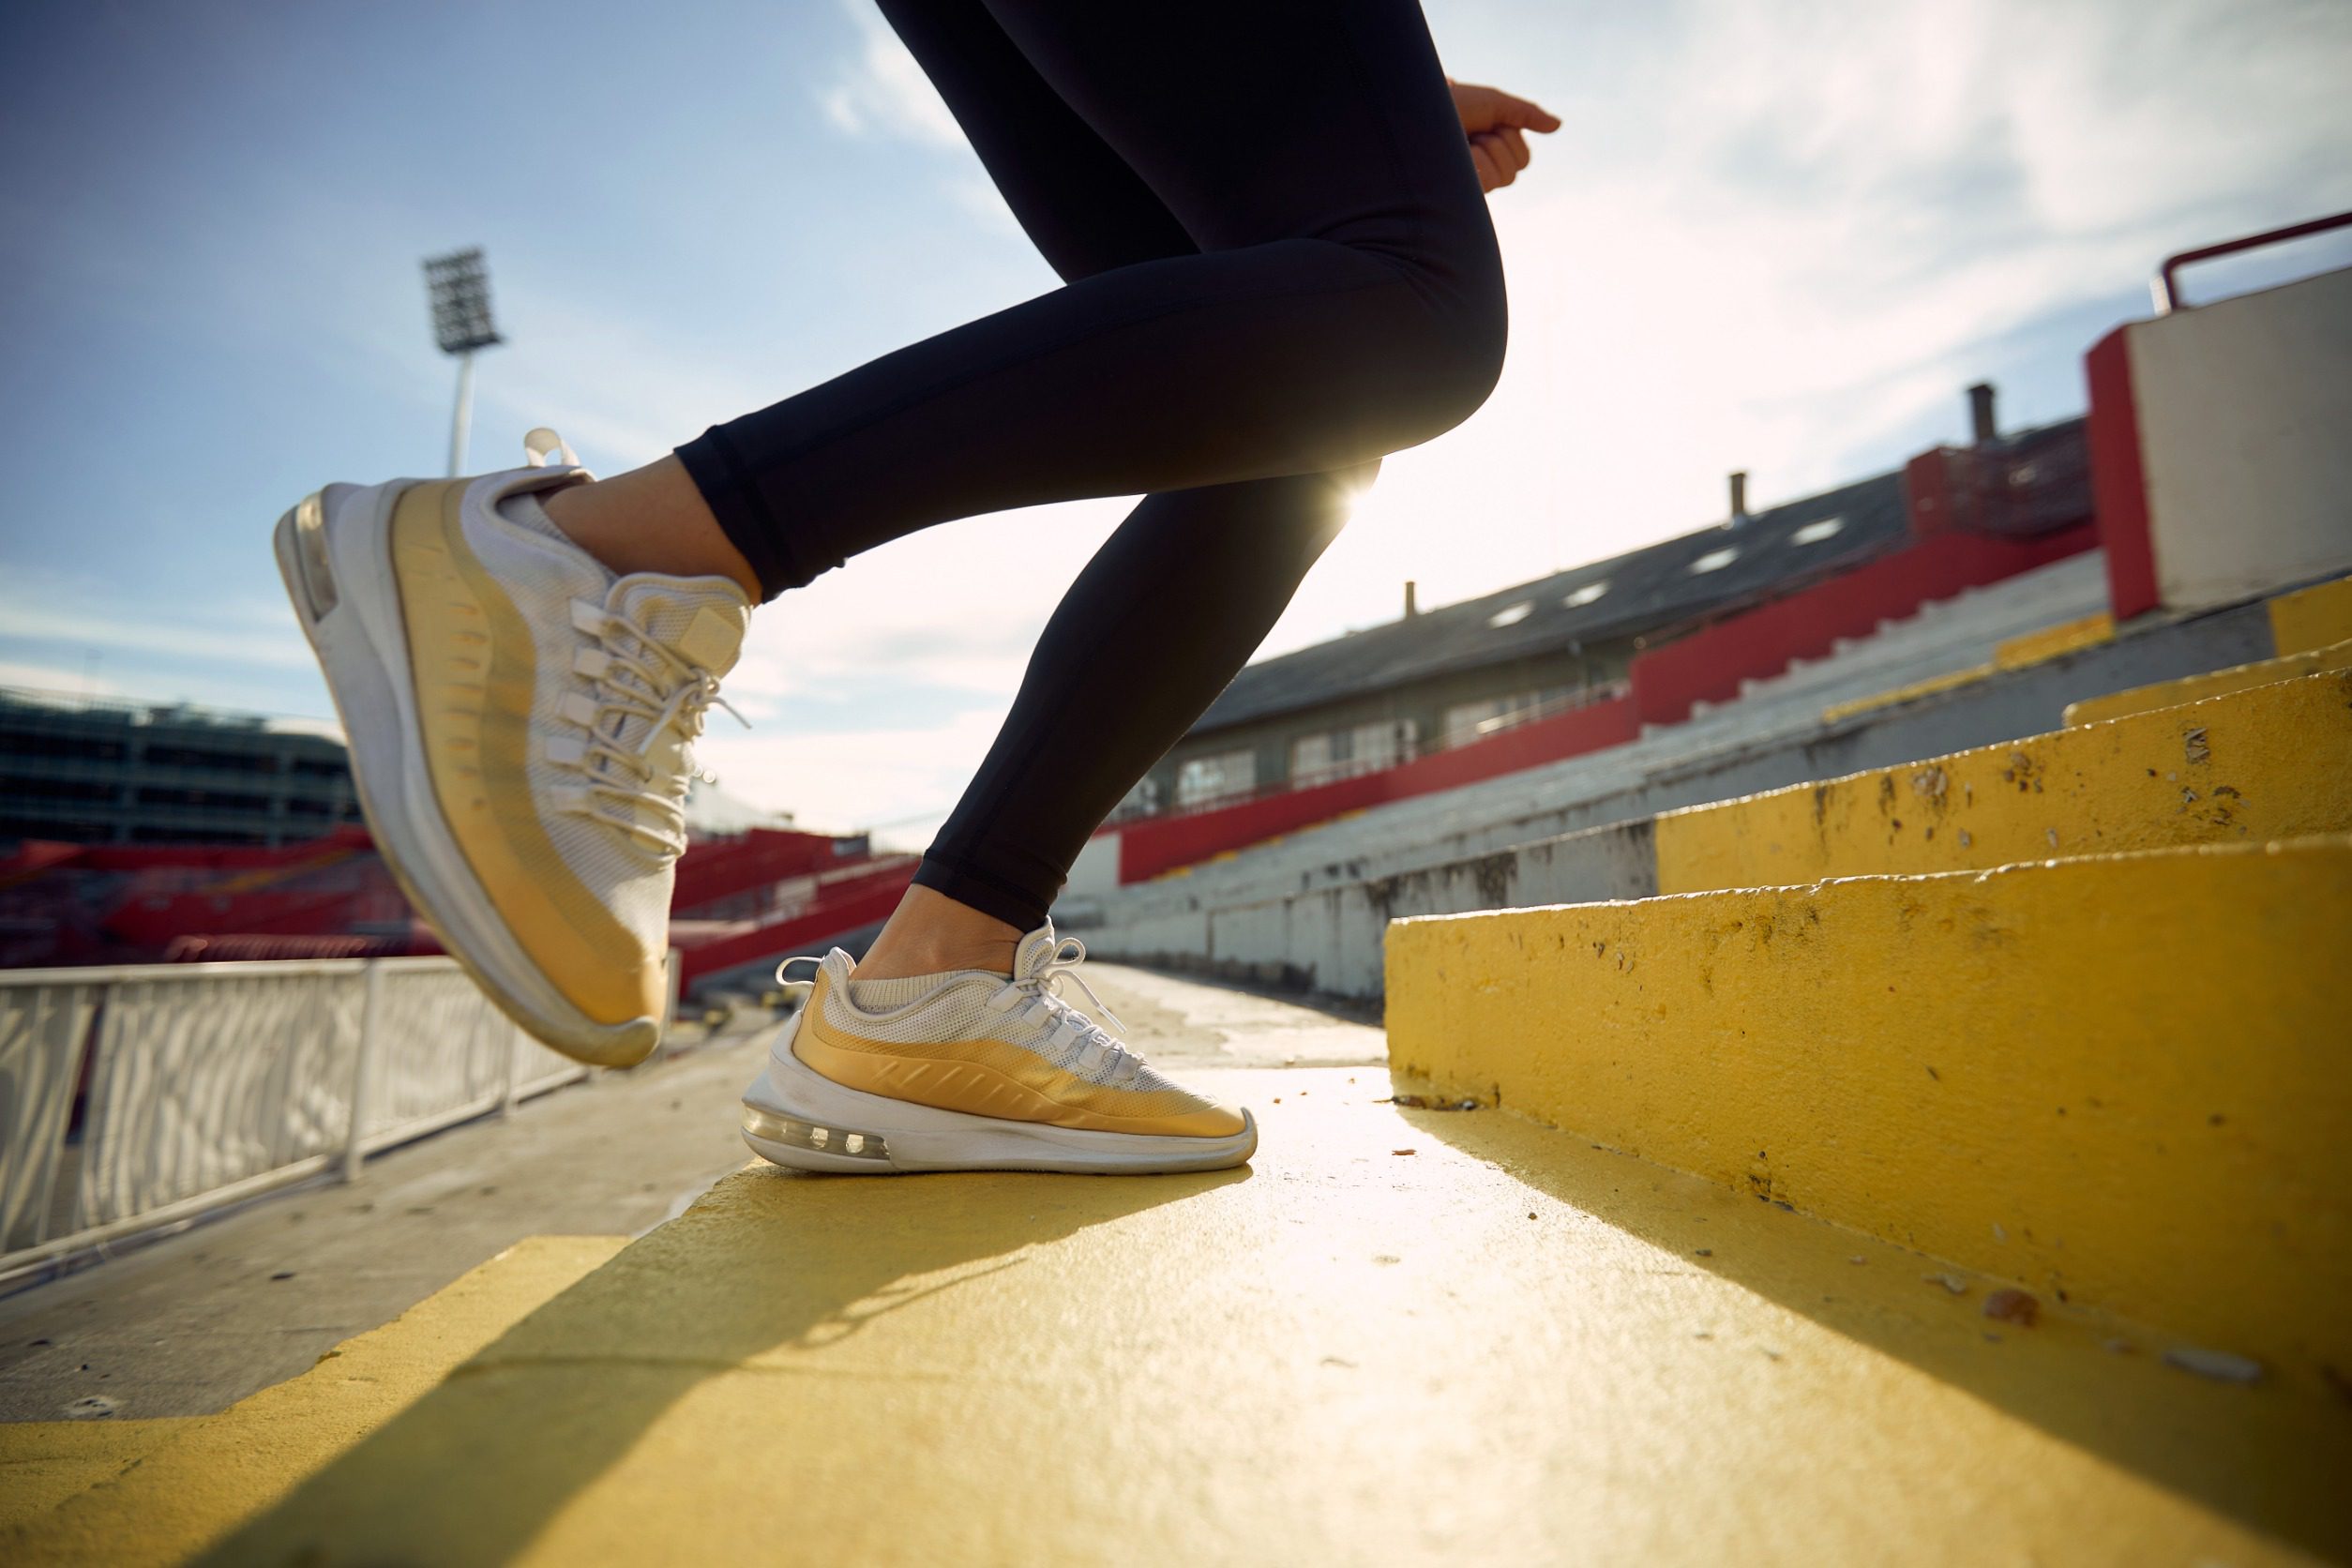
pixel 1096 870
pixel 2245 420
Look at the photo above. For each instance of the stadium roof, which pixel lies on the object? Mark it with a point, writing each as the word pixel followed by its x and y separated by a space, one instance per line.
pixel 1644 590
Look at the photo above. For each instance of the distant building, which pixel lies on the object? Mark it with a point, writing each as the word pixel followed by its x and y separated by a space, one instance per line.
pixel 96 771
pixel 1442 678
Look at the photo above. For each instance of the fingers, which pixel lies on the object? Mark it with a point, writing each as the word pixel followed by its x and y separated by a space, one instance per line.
pixel 1487 107
pixel 1516 143
pixel 1519 112
pixel 1491 173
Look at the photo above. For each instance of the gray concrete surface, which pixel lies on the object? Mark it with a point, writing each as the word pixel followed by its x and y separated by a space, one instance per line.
pixel 189 1324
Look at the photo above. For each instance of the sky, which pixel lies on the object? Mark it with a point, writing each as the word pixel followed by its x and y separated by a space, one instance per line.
pixel 1779 237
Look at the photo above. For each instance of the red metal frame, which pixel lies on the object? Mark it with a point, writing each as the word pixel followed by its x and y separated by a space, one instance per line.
pixel 2167 286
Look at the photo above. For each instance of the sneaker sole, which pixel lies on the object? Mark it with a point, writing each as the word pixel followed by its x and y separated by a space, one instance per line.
pixel 348 603
pixel 795 1117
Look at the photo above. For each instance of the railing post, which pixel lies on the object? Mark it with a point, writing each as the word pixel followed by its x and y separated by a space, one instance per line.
pixel 514 1036
pixel 677 993
pixel 370 1025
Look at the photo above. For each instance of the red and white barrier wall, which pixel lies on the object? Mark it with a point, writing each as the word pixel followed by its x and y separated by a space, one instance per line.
pixel 2220 447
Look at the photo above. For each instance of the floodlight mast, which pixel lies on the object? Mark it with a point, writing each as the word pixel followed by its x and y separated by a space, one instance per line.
pixel 458 285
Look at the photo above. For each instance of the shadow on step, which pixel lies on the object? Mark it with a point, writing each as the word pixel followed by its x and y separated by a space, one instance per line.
pixel 768 1264
pixel 2270 1456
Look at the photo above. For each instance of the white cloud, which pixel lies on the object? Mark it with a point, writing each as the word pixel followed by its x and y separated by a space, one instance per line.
pixel 880 91
pixel 65 614
pixel 839 781
pixel 1774 237
pixel 57 678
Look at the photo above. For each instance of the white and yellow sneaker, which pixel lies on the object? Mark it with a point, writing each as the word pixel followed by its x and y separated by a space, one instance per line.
pixel 970 1071
pixel 519 720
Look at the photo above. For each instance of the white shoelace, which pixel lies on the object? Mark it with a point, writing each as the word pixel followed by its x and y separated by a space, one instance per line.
pixel 1031 996
pixel 632 674
pixel 663 687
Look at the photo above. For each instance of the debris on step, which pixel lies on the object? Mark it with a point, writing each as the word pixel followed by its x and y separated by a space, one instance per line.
pixel 91 1406
pixel 2218 1364
pixel 1952 1283
pixel 1402 1150
pixel 2013 1307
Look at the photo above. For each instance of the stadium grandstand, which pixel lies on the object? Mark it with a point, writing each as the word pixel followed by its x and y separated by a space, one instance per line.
pixel 1908 924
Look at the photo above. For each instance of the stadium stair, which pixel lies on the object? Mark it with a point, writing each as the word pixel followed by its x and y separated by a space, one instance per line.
pixel 1862 1193
pixel 1404 1334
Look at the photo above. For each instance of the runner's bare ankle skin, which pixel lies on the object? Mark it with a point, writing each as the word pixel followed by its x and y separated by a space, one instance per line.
pixel 929 933
pixel 651 520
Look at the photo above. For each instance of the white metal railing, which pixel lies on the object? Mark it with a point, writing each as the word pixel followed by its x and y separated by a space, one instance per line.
pixel 201 1084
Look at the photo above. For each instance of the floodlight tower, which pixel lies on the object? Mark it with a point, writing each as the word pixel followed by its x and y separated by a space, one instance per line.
pixel 459 284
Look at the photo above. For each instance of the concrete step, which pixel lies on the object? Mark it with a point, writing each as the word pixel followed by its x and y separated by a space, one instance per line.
pixel 156 1491
pixel 2116 1079
pixel 2319 616
pixel 2251 765
pixel 2218 683
pixel 2272 761
pixel 43 1463
pixel 1401 1335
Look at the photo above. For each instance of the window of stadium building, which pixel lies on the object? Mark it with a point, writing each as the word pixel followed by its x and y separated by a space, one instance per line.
pixel 1344 753
pixel 1208 778
pixel 1466 722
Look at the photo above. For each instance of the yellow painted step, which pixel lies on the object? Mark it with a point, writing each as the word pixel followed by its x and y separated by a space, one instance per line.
pixel 1399 1337
pixel 2274 762
pixel 214 1471
pixel 2218 683
pixel 2122 1078
pixel 2319 616
pixel 43 1463
pixel 2035 647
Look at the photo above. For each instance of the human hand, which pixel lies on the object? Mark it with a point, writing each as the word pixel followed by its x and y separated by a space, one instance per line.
pixel 1496 124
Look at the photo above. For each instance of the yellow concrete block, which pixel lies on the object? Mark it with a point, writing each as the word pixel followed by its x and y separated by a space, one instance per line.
pixel 2050 641
pixel 221 1469
pixel 43 1463
pixel 2120 1081
pixel 1401 1337
pixel 2218 683
pixel 2274 762
pixel 2319 616
pixel 1927 687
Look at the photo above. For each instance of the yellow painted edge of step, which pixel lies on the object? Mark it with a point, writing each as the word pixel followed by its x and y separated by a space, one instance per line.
pixel 1927 687
pixel 2017 653
pixel 219 1470
pixel 2217 683
pixel 2118 1080
pixel 2271 761
pixel 2319 616
pixel 2036 647
pixel 43 1463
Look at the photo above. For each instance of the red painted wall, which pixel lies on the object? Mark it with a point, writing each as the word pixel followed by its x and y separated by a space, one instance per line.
pixel 1162 843
pixel 2118 483
pixel 1709 665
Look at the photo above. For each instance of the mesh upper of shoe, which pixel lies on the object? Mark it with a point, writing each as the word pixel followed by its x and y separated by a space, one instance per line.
pixel 970 1005
pixel 547 576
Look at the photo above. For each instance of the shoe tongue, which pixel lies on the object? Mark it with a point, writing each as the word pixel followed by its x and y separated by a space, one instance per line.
pixel 1034 952
pixel 701 618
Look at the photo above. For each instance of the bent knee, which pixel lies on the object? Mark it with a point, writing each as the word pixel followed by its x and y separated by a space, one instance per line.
pixel 1451 361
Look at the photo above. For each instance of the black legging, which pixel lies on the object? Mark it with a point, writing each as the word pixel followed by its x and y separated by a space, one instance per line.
pixel 1280 267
